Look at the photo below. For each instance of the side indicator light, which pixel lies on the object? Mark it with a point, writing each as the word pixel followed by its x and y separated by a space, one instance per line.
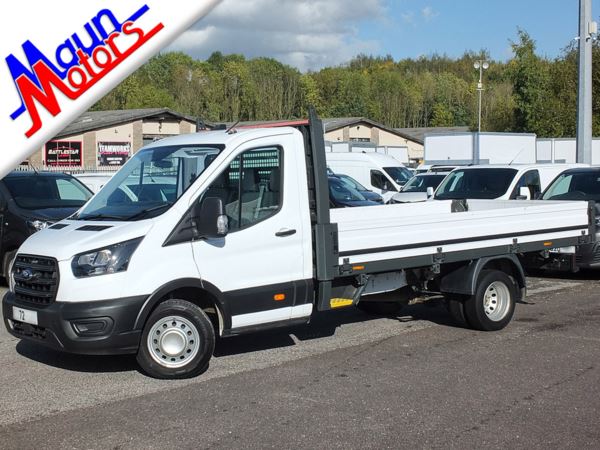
pixel 358 268
pixel 340 302
pixel 547 244
pixel 279 297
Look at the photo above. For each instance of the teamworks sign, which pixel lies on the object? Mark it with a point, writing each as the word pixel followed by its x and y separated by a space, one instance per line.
pixel 113 153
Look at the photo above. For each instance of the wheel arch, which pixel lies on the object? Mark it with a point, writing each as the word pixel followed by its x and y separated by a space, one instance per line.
pixel 200 292
pixel 463 280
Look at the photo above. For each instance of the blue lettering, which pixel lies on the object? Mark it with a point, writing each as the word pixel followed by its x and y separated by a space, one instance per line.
pixel 17 69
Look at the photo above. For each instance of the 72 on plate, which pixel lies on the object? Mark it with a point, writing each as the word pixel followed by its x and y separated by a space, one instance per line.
pixel 25 315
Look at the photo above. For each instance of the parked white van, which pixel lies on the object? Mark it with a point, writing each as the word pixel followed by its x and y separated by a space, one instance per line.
pixel 502 182
pixel 94 181
pixel 380 173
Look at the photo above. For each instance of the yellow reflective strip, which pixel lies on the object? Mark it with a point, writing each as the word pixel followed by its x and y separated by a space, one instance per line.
pixel 340 302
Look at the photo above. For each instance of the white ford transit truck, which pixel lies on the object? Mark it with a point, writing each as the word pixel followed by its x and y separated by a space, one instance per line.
pixel 227 232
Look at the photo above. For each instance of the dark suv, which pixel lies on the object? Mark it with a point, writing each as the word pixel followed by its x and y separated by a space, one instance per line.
pixel 31 201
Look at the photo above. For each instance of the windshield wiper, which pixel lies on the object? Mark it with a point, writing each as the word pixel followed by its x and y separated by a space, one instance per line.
pixel 148 210
pixel 99 217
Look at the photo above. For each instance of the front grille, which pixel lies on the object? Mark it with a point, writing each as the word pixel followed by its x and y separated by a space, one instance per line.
pixel 36 279
pixel 26 330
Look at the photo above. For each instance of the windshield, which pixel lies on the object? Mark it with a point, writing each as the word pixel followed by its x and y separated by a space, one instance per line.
pixel 340 191
pixel 352 182
pixel 476 183
pixel 575 186
pixel 37 191
pixel 420 183
pixel 399 174
pixel 149 183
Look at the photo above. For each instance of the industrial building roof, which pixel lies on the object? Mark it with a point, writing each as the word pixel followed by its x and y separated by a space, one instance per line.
pixel 418 134
pixel 94 120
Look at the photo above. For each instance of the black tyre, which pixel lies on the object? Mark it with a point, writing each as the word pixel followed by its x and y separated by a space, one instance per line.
pixel 380 308
pixel 177 342
pixel 493 305
pixel 9 258
pixel 456 308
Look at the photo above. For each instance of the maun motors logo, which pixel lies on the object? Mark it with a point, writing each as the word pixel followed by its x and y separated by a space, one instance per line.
pixel 80 63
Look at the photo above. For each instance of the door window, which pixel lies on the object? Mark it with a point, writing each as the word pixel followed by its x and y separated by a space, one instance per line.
pixel 529 180
pixel 379 180
pixel 250 188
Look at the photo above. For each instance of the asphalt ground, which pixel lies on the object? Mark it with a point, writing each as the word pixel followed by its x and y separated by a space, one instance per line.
pixel 348 380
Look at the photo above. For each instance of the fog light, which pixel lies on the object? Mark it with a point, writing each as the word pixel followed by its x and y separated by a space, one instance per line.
pixel 92 327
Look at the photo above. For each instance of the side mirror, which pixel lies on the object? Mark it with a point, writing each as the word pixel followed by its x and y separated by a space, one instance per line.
pixel 209 219
pixel 429 192
pixel 386 186
pixel 524 193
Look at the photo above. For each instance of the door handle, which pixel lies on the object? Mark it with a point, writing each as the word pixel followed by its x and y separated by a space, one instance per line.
pixel 284 232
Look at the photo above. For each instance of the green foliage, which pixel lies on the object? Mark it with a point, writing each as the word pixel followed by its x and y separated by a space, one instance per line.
pixel 528 93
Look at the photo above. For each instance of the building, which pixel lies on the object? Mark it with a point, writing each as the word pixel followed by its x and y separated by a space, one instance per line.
pixel 418 134
pixel 360 129
pixel 357 130
pixel 106 139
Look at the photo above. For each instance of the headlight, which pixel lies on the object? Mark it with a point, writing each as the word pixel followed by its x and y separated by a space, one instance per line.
pixel 106 260
pixel 37 225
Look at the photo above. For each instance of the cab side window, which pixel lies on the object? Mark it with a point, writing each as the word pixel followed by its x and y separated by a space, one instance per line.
pixel 378 180
pixel 251 187
pixel 529 180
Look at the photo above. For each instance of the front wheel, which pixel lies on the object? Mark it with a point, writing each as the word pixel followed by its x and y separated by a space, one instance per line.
pixel 493 305
pixel 177 342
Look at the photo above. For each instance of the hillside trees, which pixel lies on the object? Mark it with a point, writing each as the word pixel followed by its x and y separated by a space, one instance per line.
pixel 527 93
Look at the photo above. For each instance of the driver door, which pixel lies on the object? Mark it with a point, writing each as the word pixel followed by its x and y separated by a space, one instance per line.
pixel 260 265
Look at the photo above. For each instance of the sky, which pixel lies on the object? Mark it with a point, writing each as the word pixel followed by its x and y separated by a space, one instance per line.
pixel 311 34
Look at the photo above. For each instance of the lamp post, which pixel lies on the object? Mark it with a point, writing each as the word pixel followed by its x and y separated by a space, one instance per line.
pixel 480 65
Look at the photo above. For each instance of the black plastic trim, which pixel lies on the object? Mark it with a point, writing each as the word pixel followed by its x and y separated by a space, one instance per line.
pixel 261 298
pixel 463 280
pixel 55 325
pixel 182 283
pixel 267 326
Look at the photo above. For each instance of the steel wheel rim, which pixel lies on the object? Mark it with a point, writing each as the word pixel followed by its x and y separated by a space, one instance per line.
pixel 173 342
pixel 496 301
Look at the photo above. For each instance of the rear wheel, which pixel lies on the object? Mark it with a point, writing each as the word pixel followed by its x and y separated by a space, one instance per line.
pixel 177 342
pixel 493 305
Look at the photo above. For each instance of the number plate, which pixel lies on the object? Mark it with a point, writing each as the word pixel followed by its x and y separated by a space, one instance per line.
pixel 25 315
pixel 564 250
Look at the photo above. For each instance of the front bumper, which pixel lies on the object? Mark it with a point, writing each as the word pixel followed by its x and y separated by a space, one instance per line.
pixel 92 328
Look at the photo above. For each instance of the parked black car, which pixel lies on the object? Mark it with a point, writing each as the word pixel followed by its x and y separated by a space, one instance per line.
pixel 341 195
pixel 367 194
pixel 31 201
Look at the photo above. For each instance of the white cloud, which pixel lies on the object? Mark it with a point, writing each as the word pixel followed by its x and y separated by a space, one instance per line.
pixel 408 17
pixel 429 13
pixel 308 34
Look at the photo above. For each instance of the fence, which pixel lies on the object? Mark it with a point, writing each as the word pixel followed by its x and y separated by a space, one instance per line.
pixel 67 169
